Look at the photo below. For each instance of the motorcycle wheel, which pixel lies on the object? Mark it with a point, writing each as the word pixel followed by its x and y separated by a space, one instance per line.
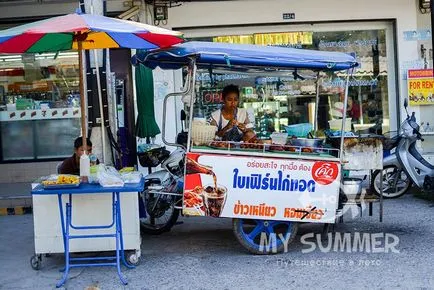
pixel 161 215
pixel 255 235
pixel 390 188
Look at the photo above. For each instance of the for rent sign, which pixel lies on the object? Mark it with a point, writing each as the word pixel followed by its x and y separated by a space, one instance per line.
pixel 261 188
pixel 421 87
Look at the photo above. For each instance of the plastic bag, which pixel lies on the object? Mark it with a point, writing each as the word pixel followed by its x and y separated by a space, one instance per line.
pixel 109 177
pixel 131 177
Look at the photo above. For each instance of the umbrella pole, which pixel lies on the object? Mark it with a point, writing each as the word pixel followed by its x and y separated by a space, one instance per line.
pixel 82 98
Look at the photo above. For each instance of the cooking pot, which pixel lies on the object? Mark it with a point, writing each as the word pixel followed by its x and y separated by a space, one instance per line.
pixel 352 186
pixel 306 142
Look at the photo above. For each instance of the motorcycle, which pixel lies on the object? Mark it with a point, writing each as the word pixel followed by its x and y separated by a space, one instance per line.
pixel 405 166
pixel 162 196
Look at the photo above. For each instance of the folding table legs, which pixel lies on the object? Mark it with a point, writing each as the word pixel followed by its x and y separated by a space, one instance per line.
pixel 66 224
pixel 128 265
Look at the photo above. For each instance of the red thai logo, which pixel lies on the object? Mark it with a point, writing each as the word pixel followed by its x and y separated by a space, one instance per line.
pixel 325 172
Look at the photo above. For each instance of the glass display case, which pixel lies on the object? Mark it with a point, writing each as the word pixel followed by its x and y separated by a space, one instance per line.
pixel 271 102
pixel 39 139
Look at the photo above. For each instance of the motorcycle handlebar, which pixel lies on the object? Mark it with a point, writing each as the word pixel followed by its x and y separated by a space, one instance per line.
pixel 418 134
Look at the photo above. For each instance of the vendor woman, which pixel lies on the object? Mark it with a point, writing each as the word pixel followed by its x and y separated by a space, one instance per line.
pixel 232 123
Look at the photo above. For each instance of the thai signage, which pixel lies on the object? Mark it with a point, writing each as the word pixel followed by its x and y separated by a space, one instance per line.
pixel 261 188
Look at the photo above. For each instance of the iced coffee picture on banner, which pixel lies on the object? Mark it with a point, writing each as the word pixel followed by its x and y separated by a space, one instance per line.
pixel 203 196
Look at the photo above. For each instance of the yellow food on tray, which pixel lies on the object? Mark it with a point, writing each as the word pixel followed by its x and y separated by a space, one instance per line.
pixel 62 179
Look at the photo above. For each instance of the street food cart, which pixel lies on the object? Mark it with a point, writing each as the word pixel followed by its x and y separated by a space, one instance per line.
pixel 277 179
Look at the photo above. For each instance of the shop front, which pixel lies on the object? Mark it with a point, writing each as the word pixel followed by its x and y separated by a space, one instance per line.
pixel 289 101
pixel 40 106
pixel 371 31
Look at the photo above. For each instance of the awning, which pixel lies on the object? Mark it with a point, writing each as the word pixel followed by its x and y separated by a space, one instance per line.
pixel 244 56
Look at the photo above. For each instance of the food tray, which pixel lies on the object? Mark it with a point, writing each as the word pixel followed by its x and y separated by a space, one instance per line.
pixel 222 148
pixel 237 146
pixel 61 186
pixel 297 150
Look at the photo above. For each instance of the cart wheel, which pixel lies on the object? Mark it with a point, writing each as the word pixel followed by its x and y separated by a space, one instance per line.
pixel 133 258
pixel 35 262
pixel 262 237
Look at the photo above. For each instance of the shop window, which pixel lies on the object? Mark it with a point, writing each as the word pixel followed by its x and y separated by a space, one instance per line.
pixel 39 102
pixel 368 87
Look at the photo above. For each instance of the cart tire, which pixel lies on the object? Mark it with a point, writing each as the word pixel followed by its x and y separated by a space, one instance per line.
pixel 133 258
pixel 388 172
pixel 251 233
pixel 35 262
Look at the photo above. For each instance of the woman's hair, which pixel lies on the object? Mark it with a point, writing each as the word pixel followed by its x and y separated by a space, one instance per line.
pixel 230 89
pixel 79 142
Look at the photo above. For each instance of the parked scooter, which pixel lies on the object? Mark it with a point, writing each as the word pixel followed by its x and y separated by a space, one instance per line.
pixel 395 180
pixel 406 165
pixel 162 197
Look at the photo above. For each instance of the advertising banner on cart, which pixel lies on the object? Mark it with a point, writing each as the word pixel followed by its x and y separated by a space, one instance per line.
pixel 261 188
pixel 420 87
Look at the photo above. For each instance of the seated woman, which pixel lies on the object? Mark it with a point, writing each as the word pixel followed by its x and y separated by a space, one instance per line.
pixel 232 123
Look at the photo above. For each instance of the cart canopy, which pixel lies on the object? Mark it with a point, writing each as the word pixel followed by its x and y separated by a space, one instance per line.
pixel 244 57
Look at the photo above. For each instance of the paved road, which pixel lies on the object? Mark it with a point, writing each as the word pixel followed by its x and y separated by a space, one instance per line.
pixel 203 254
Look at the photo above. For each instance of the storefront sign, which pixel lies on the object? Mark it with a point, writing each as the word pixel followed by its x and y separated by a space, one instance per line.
pixel 205 77
pixel 358 42
pixel 284 38
pixel 277 39
pixel 420 87
pixel 415 35
pixel 238 39
pixel 340 83
pixel 212 97
pixel 261 188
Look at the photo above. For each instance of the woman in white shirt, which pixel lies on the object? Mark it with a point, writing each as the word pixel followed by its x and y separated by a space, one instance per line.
pixel 232 123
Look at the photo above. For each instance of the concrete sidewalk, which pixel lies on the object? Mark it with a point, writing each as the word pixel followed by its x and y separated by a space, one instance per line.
pixel 15 198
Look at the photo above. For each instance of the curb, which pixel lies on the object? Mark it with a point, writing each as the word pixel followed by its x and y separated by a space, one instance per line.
pixel 18 210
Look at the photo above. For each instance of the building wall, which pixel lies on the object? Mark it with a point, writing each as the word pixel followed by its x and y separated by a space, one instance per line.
pixel 196 14
pixel 228 17
pixel 232 14
pixel 26 172
pixel 11 12
pixel 426 112
pixel 256 12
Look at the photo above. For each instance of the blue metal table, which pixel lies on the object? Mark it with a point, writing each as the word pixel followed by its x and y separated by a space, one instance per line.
pixel 66 223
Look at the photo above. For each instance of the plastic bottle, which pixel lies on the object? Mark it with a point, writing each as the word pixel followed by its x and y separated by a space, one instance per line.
pixel 93 169
pixel 84 168
pixel 92 158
